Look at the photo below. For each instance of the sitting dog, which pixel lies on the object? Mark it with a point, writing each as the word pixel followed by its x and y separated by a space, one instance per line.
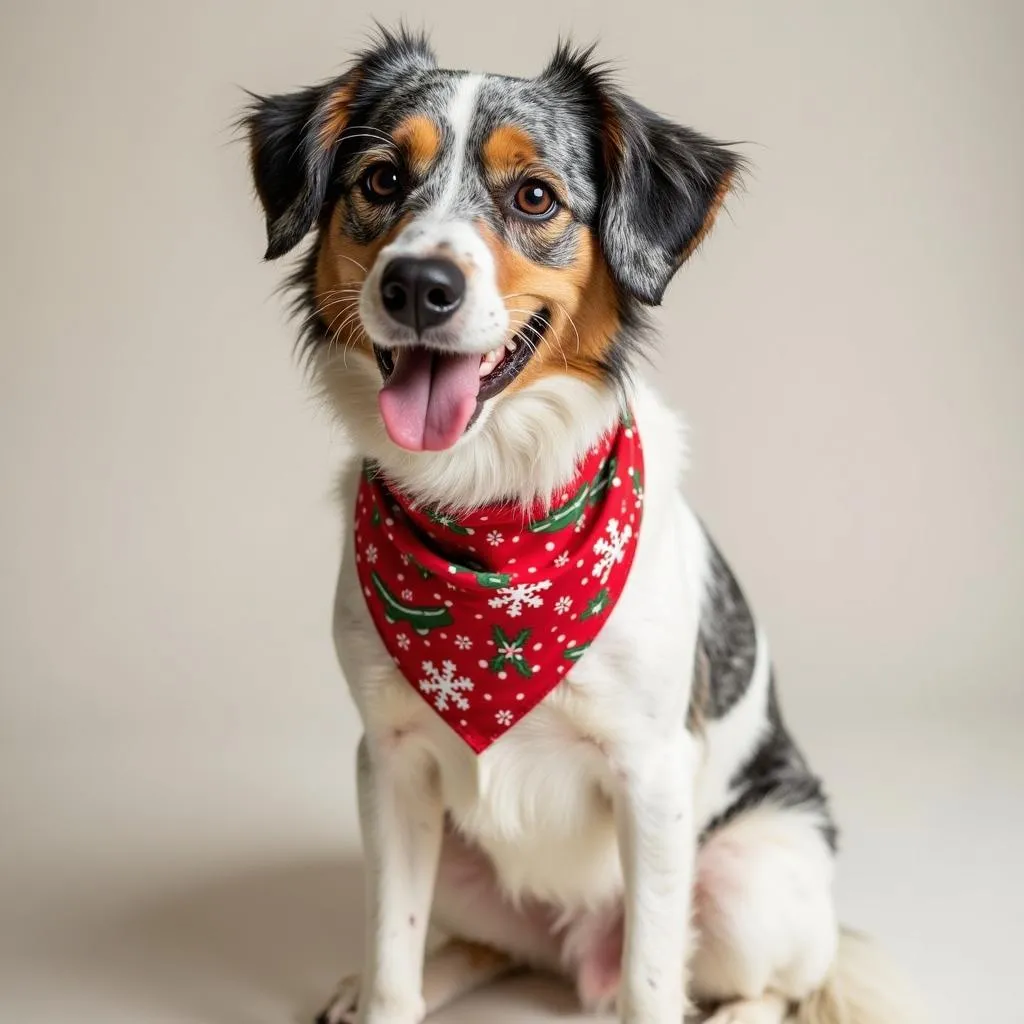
pixel 573 754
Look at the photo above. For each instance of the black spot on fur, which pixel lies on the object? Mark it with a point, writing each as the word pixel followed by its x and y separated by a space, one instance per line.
pixel 778 774
pixel 728 635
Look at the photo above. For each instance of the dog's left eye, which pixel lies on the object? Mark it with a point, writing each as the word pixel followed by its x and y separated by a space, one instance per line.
pixel 534 199
pixel 382 183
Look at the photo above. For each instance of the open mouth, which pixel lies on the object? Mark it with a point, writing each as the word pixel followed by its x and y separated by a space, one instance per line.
pixel 430 397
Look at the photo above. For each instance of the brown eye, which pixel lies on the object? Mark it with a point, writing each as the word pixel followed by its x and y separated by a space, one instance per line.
pixel 382 183
pixel 535 199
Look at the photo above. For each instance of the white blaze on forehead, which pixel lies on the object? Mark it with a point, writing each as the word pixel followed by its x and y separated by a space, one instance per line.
pixel 460 118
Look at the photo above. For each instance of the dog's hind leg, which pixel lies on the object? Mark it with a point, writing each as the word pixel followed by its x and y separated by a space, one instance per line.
pixel 766 926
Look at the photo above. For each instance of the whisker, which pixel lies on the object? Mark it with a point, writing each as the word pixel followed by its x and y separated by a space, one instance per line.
pixel 356 262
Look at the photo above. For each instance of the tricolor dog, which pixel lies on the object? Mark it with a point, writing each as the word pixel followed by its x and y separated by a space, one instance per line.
pixel 573 754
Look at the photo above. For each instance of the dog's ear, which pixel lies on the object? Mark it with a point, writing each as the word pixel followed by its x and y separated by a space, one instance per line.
pixel 294 138
pixel 663 184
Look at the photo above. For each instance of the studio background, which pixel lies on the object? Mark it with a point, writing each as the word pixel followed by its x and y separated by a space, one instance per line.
pixel 178 839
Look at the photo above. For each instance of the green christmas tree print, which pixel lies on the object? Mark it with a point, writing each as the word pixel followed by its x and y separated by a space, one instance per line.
pixel 493 580
pixel 511 652
pixel 605 475
pixel 597 605
pixel 638 481
pixel 567 515
pixel 422 618
pixel 575 653
pixel 448 522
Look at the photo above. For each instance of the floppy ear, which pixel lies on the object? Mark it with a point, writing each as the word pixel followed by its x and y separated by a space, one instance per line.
pixel 663 183
pixel 294 138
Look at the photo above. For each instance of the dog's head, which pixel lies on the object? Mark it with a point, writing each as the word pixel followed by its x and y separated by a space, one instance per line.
pixel 478 238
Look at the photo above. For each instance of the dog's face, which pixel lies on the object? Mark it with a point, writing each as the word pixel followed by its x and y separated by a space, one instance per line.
pixel 477 235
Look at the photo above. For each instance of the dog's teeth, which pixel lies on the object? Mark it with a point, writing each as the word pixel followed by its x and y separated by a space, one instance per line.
pixel 491 360
pixel 511 345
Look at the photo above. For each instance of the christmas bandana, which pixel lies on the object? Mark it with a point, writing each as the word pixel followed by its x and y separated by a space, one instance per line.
pixel 487 612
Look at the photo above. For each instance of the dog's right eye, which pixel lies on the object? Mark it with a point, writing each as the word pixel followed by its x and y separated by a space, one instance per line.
pixel 382 183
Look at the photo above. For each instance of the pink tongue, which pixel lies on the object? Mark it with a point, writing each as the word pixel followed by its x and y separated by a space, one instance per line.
pixel 429 398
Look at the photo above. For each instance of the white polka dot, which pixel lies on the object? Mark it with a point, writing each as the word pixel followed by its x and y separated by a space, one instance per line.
pixel 520 696
pixel 579 564
pixel 511 561
pixel 451 568
pixel 482 663
pixel 571 644
pixel 366 591
pixel 478 616
pixel 573 616
pixel 629 433
pixel 389 522
pixel 444 636
pixel 391 536
pixel 616 482
pixel 462 722
pixel 487 696
pixel 537 647
pixel 437 597
pixel 400 577
pixel 561 638
pixel 550 546
pixel 585 581
pixel 426 643
pixel 469 530
pixel 503 675
pixel 483 519
pixel 561 668
pixel 532 568
pixel 447 604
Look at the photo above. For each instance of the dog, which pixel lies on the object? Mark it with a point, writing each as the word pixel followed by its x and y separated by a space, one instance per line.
pixel 631 811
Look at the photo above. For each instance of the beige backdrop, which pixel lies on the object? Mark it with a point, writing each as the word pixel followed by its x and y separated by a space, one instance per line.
pixel 847 348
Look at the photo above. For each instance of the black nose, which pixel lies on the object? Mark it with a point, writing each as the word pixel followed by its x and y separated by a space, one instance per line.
pixel 421 293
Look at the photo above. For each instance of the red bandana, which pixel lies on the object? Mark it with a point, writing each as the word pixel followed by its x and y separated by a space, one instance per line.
pixel 486 613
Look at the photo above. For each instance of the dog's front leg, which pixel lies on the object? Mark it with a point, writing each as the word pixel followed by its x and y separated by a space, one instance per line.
pixel 401 814
pixel 654 817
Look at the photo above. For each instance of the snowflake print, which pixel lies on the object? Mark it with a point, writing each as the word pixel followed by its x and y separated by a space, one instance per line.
pixel 494 538
pixel 371 553
pixel 513 598
pixel 561 561
pixel 445 686
pixel 503 718
pixel 510 652
pixel 463 642
pixel 611 550
pixel 403 641
pixel 563 604
pixel 407 594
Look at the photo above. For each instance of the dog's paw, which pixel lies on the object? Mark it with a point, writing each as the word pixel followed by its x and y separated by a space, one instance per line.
pixel 750 1011
pixel 345 1003
pixel 343 1007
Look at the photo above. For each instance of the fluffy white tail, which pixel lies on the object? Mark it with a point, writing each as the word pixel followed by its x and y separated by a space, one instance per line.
pixel 864 988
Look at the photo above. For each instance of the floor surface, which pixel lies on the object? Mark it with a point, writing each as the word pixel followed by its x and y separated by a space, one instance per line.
pixel 209 879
